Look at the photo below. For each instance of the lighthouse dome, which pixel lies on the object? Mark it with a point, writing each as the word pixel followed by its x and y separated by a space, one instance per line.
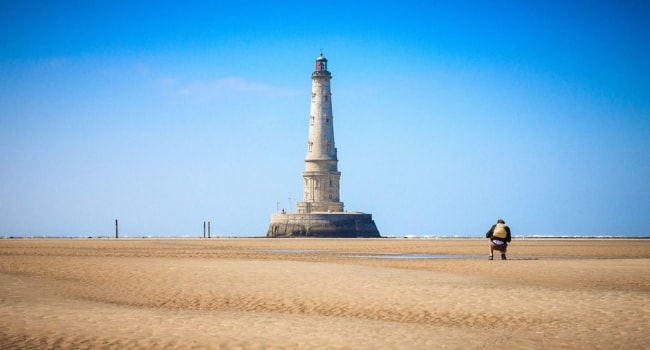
pixel 321 58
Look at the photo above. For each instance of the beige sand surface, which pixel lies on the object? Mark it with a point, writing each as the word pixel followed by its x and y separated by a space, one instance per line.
pixel 323 294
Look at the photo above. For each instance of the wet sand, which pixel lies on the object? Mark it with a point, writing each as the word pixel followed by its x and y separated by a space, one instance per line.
pixel 323 294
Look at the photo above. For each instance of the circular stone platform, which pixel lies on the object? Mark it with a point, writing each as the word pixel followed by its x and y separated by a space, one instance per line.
pixel 333 225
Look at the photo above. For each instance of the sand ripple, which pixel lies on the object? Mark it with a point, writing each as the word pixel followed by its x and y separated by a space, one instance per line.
pixel 201 294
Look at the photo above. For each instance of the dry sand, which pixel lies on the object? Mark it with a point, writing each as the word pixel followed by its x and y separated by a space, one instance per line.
pixel 323 294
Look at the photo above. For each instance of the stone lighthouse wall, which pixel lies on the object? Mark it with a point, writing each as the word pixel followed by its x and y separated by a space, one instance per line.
pixel 321 178
pixel 341 225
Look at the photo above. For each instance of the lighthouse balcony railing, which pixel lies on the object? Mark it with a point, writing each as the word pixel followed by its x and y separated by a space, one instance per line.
pixel 322 74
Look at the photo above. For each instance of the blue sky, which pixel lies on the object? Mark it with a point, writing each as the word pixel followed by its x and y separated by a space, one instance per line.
pixel 448 115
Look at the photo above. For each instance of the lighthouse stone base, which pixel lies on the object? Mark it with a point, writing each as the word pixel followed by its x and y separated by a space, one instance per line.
pixel 326 225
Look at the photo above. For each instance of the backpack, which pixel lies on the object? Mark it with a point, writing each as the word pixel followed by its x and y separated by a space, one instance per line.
pixel 500 231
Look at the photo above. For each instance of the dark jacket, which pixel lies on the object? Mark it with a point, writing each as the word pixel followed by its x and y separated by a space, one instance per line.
pixel 489 233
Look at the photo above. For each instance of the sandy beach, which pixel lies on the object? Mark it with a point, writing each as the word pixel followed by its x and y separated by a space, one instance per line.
pixel 323 294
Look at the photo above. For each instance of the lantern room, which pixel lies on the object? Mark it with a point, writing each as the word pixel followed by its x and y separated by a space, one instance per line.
pixel 321 63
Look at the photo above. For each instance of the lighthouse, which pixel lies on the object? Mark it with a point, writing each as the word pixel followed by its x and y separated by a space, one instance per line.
pixel 321 213
pixel 321 176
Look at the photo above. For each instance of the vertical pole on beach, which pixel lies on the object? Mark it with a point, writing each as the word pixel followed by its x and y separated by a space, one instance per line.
pixel 203 229
pixel 208 229
pixel 116 234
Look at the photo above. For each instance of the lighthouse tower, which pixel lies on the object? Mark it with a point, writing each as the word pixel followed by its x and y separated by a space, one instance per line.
pixel 321 214
pixel 321 175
